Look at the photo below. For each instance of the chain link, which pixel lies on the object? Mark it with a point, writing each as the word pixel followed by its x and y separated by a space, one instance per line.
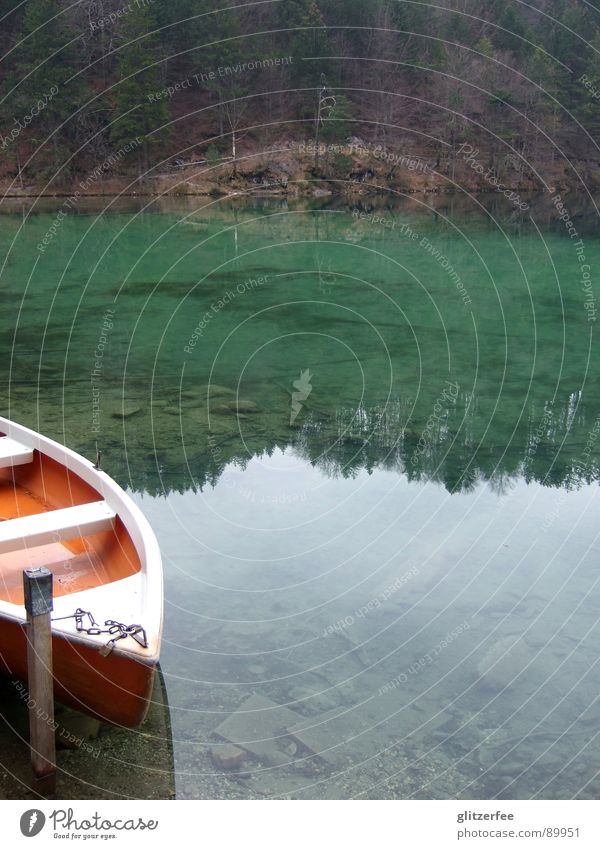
pixel 117 630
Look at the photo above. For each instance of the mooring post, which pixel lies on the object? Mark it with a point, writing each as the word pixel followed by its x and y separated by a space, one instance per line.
pixel 37 584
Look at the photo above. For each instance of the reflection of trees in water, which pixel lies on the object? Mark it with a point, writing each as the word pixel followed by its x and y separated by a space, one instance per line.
pixel 461 449
pixel 463 446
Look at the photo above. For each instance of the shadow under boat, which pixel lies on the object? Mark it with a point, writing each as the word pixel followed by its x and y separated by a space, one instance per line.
pixel 94 760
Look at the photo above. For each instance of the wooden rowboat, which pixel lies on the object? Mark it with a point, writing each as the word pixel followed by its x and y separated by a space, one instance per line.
pixel 58 510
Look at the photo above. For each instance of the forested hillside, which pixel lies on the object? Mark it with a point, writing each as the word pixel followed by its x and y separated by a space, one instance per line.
pixel 150 85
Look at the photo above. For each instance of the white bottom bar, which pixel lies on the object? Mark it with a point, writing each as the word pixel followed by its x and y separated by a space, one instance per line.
pixel 297 825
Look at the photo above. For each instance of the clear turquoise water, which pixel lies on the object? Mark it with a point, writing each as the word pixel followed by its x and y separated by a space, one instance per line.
pixel 410 565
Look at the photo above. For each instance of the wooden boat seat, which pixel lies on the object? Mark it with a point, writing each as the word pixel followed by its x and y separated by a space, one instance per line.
pixel 82 562
pixel 72 572
pixel 55 526
pixel 12 453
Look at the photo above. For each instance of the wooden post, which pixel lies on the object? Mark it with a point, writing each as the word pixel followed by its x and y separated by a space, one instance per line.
pixel 37 584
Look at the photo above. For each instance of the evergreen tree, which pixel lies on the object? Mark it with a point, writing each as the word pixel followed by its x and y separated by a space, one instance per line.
pixel 589 109
pixel 513 32
pixel 140 96
pixel 569 46
pixel 43 92
pixel 186 25
pixel 49 43
pixel 306 36
pixel 357 14
pixel 576 27
pixel 414 21
pixel 11 15
pixel 457 29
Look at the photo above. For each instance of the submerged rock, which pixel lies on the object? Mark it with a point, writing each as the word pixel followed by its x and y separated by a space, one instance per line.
pixel 228 756
pixel 233 408
pixel 259 725
pixel 208 390
pixel 127 411
pixel 311 700
pixel 216 391
pixel 503 662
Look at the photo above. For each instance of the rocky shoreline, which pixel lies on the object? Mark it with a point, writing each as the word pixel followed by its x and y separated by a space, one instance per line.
pixel 303 170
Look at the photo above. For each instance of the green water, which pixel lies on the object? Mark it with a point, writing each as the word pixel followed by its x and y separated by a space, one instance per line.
pixel 395 537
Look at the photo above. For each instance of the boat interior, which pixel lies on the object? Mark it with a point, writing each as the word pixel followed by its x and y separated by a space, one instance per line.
pixel 50 517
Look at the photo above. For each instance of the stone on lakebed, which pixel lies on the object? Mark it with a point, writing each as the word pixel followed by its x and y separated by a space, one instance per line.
pixel 228 756
pixel 212 390
pixel 126 411
pixel 504 662
pixel 234 408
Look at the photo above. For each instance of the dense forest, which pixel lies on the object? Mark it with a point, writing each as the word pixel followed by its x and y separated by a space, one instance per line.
pixel 148 86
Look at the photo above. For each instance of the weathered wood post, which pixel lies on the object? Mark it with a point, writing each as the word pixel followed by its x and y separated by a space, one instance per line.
pixel 37 584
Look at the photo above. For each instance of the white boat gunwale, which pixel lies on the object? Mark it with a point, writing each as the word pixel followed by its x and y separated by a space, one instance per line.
pixel 148 581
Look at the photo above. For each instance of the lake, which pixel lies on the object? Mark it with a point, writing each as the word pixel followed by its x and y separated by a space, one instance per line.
pixel 367 440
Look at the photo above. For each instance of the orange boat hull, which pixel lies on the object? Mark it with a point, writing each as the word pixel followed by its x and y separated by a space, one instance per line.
pixel 115 688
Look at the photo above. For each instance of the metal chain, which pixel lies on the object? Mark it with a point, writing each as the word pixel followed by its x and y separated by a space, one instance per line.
pixel 118 629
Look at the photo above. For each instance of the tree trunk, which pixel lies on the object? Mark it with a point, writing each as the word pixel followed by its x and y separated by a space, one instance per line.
pixel 19 172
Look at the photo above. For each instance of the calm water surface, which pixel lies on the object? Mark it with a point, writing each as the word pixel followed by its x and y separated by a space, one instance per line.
pixel 379 525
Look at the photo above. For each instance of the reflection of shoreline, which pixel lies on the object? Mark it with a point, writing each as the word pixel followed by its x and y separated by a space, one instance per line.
pixel 167 452
pixel 429 215
pixel 420 206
